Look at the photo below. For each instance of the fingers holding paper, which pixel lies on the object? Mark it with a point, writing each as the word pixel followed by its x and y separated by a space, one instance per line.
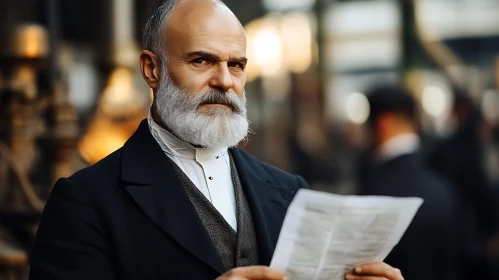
pixel 252 273
pixel 375 271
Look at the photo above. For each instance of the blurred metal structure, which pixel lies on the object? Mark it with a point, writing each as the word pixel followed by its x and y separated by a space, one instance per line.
pixel 20 117
pixel 453 67
pixel 38 133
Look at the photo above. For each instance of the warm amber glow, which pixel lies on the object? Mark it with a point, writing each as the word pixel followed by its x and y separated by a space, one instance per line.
pixel 277 43
pixel 267 50
pixel 264 48
pixel 104 137
pixel 252 68
pixel 120 97
pixel 32 46
pixel 30 41
pixel 296 32
pixel 24 81
pixel 120 110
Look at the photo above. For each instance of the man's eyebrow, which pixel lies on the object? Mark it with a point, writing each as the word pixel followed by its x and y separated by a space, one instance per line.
pixel 242 59
pixel 214 57
pixel 203 54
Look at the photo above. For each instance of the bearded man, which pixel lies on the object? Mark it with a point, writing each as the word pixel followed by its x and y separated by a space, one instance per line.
pixel 178 200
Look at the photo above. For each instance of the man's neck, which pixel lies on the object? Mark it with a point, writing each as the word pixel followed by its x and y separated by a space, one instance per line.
pixel 157 119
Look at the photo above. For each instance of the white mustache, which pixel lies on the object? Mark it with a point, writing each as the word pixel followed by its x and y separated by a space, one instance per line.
pixel 228 98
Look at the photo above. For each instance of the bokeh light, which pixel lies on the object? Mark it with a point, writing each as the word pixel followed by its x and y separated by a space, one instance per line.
pixel 357 108
pixel 435 101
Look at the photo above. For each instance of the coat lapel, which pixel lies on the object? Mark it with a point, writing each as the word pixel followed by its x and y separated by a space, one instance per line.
pixel 153 184
pixel 258 196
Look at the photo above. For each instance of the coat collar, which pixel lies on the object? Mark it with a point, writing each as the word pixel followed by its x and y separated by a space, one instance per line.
pixel 259 200
pixel 153 184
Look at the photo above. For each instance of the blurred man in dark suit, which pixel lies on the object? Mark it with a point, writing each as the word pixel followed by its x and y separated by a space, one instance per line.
pixel 394 167
pixel 460 158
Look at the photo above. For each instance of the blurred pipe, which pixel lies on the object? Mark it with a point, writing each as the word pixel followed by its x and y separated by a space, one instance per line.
pixel 122 20
pixel 320 10
pixel 53 17
pixel 444 57
pixel 124 46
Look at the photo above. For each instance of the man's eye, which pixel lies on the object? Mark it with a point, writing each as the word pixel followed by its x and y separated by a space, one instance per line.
pixel 199 60
pixel 236 64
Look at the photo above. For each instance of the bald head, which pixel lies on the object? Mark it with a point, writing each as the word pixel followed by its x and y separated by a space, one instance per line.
pixel 209 18
pixel 178 13
pixel 199 44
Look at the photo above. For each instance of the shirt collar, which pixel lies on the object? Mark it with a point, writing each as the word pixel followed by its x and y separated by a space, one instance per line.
pixel 176 147
pixel 404 144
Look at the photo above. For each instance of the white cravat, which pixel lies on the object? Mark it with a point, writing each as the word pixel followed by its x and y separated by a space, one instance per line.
pixel 208 169
pixel 404 144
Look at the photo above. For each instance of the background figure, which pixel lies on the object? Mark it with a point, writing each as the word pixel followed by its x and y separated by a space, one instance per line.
pixel 460 158
pixel 394 167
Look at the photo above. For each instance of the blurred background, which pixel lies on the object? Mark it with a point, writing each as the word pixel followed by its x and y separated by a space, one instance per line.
pixel 71 90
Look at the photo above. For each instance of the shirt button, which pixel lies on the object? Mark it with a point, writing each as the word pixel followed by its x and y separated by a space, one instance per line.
pixel 211 178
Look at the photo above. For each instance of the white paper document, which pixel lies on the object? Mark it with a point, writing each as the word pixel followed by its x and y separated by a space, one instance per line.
pixel 326 235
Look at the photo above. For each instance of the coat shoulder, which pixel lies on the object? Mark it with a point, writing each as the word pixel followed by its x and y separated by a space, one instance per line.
pixel 268 172
pixel 105 172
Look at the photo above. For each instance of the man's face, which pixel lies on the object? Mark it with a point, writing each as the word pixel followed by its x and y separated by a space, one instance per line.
pixel 206 49
pixel 200 96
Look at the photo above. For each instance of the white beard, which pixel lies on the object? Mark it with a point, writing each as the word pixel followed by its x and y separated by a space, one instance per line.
pixel 216 128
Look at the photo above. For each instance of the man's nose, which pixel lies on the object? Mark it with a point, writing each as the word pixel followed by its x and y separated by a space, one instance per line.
pixel 222 79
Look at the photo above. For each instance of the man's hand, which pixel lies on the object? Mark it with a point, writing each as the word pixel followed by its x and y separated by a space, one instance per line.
pixel 375 271
pixel 253 273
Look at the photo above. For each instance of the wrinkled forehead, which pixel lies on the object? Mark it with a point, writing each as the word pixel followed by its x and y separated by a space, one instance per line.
pixel 205 24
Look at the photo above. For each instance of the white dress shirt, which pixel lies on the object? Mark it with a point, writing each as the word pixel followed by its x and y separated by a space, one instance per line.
pixel 208 169
pixel 404 144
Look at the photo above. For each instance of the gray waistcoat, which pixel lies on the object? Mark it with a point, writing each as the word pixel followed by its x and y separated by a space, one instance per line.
pixel 235 249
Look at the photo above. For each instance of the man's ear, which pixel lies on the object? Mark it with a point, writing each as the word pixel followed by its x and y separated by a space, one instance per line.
pixel 150 66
